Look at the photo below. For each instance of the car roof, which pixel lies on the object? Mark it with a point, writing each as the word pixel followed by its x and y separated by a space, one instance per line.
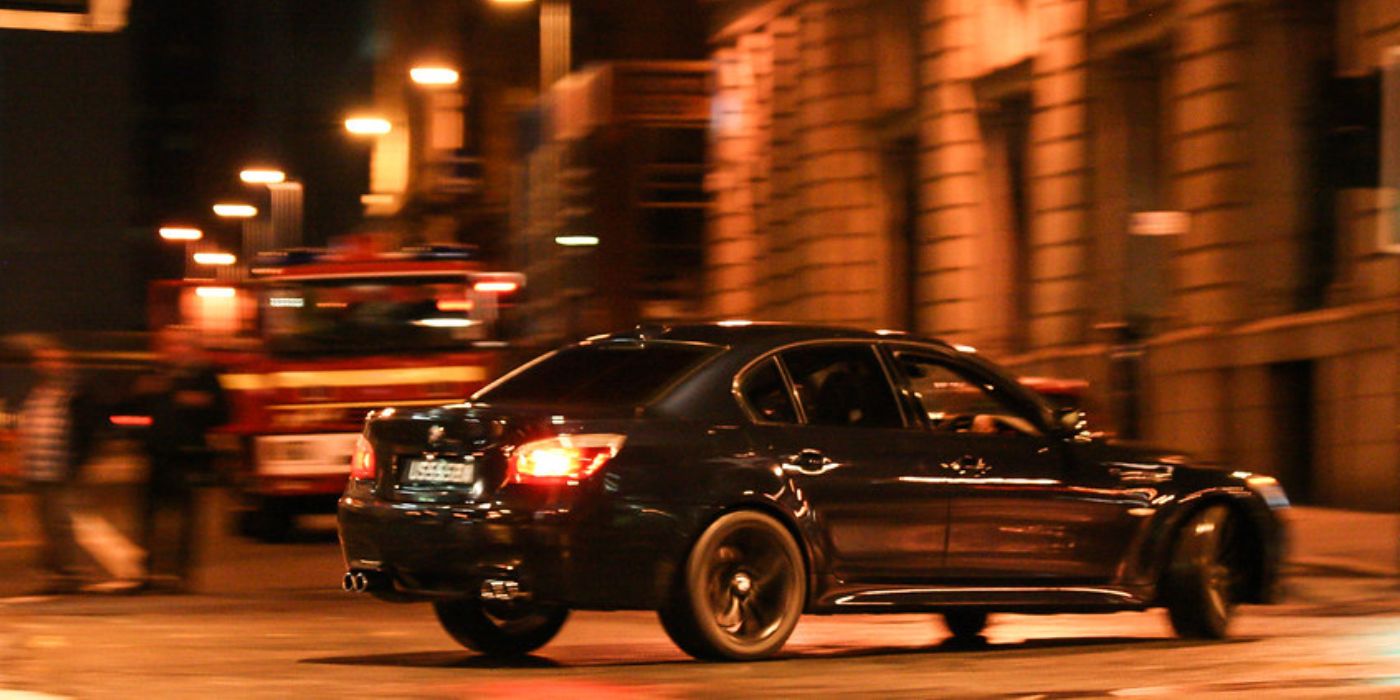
pixel 753 336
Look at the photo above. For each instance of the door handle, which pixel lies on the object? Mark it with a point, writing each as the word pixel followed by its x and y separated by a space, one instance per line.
pixel 807 461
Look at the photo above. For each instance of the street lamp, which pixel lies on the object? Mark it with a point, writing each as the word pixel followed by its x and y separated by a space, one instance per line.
pixel 180 233
pixel 368 126
pixel 230 210
pixel 433 75
pixel 262 176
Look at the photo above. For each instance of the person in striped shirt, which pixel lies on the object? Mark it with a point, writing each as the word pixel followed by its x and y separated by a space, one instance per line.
pixel 56 428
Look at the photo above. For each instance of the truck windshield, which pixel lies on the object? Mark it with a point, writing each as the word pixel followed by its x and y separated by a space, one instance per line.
pixel 604 374
pixel 374 315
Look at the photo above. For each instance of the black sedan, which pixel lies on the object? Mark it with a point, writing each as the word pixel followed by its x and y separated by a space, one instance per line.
pixel 734 476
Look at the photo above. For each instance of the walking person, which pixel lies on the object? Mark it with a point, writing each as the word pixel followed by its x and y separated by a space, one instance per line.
pixel 56 427
pixel 184 401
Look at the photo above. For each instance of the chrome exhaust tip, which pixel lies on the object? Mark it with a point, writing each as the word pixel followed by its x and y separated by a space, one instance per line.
pixel 355 582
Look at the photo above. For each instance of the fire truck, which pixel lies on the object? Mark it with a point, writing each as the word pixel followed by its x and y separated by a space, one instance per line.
pixel 312 340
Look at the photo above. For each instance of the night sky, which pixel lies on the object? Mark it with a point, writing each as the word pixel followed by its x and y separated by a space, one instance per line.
pixel 104 137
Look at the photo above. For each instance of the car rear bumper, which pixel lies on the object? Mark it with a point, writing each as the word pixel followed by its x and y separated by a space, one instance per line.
pixel 432 551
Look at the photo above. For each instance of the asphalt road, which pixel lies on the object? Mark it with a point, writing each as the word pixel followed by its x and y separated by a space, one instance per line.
pixel 270 621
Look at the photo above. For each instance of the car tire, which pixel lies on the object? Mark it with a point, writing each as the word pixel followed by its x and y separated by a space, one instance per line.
pixel 741 591
pixel 1202 577
pixel 506 630
pixel 965 624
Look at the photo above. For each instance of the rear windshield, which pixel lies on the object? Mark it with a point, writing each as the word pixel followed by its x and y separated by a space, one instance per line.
pixel 604 374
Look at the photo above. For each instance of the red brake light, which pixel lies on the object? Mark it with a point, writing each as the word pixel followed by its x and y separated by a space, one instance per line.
pixel 362 464
pixel 566 458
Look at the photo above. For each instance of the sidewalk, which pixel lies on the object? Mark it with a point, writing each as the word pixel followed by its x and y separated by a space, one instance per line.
pixel 1329 541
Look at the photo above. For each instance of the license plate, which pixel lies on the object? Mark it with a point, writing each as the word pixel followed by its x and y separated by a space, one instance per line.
pixel 442 471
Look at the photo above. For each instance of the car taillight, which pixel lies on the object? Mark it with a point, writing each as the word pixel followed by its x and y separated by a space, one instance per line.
pixel 362 465
pixel 565 458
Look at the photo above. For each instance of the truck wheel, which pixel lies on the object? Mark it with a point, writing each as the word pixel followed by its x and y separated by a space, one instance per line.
pixel 1203 574
pixel 741 591
pixel 505 630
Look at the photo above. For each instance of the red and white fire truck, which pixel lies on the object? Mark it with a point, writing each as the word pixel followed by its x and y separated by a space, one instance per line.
pixel 312 340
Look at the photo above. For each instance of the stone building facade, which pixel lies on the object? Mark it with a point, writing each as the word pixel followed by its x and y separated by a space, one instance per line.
pixel 1177 198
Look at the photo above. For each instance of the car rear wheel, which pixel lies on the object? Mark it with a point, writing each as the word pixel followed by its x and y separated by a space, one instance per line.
pixel 965 624
pixel 741 591
pixel 1204 575
pixel 500 630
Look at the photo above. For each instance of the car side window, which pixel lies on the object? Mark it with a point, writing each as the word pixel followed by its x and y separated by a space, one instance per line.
pixel 766 394
pixel 843 385
pixel 955 401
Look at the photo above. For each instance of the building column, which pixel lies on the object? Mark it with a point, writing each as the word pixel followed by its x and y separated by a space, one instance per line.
pixel 837 238
pixel 951 174
pixel 782 291
pixel 732 248
pixel 1211 184
pixel 1059 177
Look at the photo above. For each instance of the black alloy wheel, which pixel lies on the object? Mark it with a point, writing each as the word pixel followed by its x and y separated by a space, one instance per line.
pixel 741 592
pixel 505 629
pixel 965 624
pixel 1204 575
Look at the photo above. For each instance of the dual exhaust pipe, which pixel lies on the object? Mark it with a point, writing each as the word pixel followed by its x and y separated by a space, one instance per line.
pixel 360 582
pixel 498 590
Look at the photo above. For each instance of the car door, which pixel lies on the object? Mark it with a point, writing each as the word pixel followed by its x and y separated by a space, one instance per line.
pixel 847 449
pixel 1019 507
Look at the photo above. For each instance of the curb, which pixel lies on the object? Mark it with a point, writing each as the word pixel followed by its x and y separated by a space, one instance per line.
pixel 1337 566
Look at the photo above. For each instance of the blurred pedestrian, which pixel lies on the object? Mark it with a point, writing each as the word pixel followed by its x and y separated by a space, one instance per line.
pixel 184 401
pixel 56 427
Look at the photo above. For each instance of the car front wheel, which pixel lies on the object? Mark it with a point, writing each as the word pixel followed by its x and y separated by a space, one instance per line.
pixel 741 591
pixel 1200 585
pixel 500 630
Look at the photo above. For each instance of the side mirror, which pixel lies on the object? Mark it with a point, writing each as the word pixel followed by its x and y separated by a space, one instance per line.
pixel 1070 421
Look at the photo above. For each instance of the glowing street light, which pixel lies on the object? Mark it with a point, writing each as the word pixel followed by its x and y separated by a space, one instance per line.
pixel 230 210
pixel 576 241
pixel 180 233
pixel 433 75
pixel 262 176
pixel 368 126
pixel 215 259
